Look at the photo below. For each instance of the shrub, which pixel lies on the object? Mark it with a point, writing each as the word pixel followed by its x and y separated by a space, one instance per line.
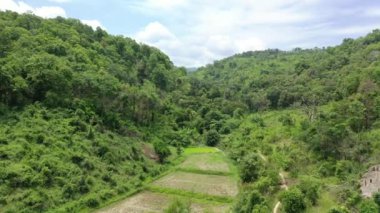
pixel 326 169
pixel 368 206
pixel 343 168
pixel 338 210
pixel 376 198
pixel 293 201
pixel 250 201
pixel 286 120
pixel 238 113
pixel 263 185
pixel 212 138
pixel 91 134
pixel 92 202
pixel 258 120
pixel 225 130
pixel 178 206
pixel 84 185
pixel 310 188
pixel 36 200
pixel 162 150
pixel 250 167
pixel 349 197
pixel 69 190
pixel 40 139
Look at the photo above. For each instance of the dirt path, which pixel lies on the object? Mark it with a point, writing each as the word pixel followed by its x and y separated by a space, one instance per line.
pixel 283 186
pixel 179 184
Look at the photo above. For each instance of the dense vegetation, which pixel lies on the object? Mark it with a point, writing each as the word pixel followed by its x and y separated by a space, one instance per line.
pixel 75 106
pixel 79 106
pixel 313 114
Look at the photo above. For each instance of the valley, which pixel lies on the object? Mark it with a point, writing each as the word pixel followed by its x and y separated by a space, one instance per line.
pixel 95 122
pixel 196 180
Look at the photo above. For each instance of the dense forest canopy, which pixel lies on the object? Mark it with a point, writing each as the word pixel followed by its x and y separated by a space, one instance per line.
pixel 78 106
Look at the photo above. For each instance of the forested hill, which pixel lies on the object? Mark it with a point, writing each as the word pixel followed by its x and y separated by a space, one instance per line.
pixel 87 118
pixel 312 115
pixel 75 106
pixel 273 79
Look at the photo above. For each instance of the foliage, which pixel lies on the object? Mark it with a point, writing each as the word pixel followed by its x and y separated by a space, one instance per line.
pixel 293 201
pixel 212 138
pixel 376 198
pixel 250 201
pixel 76 103
pixel 338 210
pixel 368 206
pixel 178 206
pixel 250 167
pixel 162 150
pixel 310 188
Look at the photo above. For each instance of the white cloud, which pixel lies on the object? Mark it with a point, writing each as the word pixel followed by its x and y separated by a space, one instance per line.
pixel 60 1
pixel 355 30
pixel 374 12
pixel 194 49
pixel 19 7
pixel 22 7
pixel 49 12
pixel 202 31
pixel 154 6
pixel 214 29
pixel 209 30
pixel 93 23
pixel 44 11
pixel 154 32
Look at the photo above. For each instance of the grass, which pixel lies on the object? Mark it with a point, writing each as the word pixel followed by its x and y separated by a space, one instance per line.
pixel 204 172
pixel 200 183
pixel 190 194
pixel 212 162
pixel 171 166
pixel 194 154
pixel 200 150
pixel 156 201
pixel 325 203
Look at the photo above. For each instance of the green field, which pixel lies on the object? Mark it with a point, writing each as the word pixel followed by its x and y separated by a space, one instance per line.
pixel 213 162
pixel 205 178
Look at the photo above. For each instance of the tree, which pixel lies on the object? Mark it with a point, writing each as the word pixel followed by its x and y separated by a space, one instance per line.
pixel 376 198
pixel 310 188
pixel 212 138
pixel 338 210
pixel 293 201
pixel 162 150
pixel 250 201
pixel 250 167
pixel 368 206
pixel 286 120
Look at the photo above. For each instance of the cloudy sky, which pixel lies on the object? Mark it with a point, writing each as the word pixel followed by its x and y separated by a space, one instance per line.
pixel 197 32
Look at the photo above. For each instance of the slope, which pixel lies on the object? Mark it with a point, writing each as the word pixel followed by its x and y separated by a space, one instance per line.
pixel 75 105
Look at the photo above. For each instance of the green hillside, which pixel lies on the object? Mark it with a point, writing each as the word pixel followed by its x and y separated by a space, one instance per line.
pixel 75 106
pixel 87 118
pixel 312 115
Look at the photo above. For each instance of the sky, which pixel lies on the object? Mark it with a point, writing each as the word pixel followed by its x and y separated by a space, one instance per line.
pixel 197 32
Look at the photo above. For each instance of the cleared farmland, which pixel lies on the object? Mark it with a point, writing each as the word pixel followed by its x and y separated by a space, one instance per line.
pixel 204 178
pixel 213 162
pixel 200 183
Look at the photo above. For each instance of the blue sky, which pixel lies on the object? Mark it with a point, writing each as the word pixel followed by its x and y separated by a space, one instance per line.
pixel 196 32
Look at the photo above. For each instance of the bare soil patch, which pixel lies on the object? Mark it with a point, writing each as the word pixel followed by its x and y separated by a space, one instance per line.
pixel 157 202
pixel 149 152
